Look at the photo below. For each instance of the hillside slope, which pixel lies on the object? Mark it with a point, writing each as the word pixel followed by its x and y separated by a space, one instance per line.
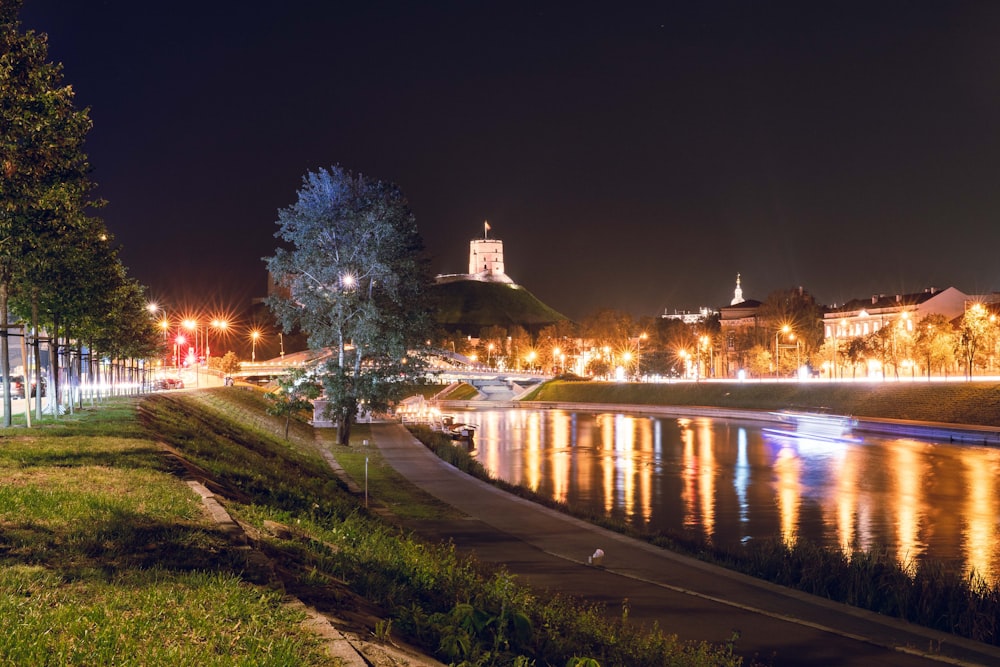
pixel 469 305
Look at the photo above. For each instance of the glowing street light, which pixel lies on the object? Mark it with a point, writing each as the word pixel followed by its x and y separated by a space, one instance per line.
pixel 178 342
pixel 192 325
pixel 638 355
pixel 785 329
pixel 683 355
pixel 220 325
pixel 254 336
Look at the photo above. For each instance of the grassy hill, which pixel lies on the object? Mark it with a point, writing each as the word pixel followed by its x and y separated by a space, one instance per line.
pixel 470 305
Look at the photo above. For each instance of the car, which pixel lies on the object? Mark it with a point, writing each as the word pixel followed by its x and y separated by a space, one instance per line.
pixel 16 386
pixel 168 383
pixel 34 388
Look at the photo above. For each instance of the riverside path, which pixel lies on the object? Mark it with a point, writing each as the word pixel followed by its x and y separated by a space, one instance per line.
pixel 696 601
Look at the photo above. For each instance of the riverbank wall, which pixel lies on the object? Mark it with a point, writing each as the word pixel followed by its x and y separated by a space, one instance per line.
pixel 967 412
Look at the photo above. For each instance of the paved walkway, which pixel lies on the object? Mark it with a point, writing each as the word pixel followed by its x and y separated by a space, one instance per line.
pixel 696 601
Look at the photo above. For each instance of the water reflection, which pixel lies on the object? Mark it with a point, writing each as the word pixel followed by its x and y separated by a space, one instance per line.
pixel 727 482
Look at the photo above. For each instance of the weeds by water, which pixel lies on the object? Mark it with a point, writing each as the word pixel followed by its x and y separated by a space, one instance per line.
pixel 927 594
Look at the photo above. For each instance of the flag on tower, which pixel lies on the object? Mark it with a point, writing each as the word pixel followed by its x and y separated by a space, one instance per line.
pixel 486 228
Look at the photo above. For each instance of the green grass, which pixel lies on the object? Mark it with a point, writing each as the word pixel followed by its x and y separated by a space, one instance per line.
pixel 975 403
pixel 462 392
pixel 385 486
pixel 106 555
pixel 145 617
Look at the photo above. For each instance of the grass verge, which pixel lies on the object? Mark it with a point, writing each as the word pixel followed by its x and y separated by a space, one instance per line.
pixel 975 403
pixel 106 557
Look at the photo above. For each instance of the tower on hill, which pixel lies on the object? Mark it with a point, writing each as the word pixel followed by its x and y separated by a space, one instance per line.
pixel 486 296
pixel 485 261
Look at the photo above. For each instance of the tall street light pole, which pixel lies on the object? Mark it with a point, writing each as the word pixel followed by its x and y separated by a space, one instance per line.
pixel 221 325
pixel 192 325
pixel 254 335
pixel 785 329
pixel 638 356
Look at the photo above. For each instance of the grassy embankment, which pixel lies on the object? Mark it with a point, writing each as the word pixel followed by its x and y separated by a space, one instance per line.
pixel 949 402
pixel 926 593
pixel 107 556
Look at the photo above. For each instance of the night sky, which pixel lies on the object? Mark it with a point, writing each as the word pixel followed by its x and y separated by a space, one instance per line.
pixel 635 157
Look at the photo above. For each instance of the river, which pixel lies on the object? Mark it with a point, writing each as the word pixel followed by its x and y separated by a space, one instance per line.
pixel 727 481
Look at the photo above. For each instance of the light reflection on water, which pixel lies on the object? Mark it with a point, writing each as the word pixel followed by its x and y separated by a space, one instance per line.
pixel 726 481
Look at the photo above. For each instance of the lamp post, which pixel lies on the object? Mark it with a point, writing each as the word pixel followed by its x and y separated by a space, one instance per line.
pixel 180 340
pixel 254 335
pixel 222 326
pixel 192 325
pixel 785 329
pixel 638 355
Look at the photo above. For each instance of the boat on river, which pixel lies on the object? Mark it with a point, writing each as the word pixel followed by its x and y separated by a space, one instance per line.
pixel 463 432
pixel 815 426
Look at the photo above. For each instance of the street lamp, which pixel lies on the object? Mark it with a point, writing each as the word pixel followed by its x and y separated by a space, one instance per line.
pixel 254 335
pixel 785 329
pixel 178 342
pixel 683 354
pixel 638 355
pixel 219 324
pixel 192 325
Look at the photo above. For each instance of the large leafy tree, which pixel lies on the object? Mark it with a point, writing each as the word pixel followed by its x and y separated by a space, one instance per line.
pixel 974 331
pixel 787 313
pixel 44 183
pixel 352 276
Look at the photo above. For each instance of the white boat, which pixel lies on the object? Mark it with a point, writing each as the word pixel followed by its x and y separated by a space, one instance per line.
pixel 463 432
pixel 815 426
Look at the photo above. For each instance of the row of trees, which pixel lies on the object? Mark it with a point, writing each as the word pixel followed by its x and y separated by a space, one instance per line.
pixel 787 334
pixel 59 270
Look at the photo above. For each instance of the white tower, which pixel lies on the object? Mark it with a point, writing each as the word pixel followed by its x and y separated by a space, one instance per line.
pixel 738 294
pixel 486 257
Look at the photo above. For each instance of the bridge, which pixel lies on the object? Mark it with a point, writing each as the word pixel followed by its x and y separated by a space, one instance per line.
pixel 442 366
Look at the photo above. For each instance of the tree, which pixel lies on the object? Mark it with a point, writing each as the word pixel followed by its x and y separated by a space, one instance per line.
pixel 229 363
pixel 353 279
pixel 556 343
pixel 858 351
pixel 796 309
pixel 759 360
pixel 44 183
pixel 492 345
pixel 973 333
pixel 295 394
